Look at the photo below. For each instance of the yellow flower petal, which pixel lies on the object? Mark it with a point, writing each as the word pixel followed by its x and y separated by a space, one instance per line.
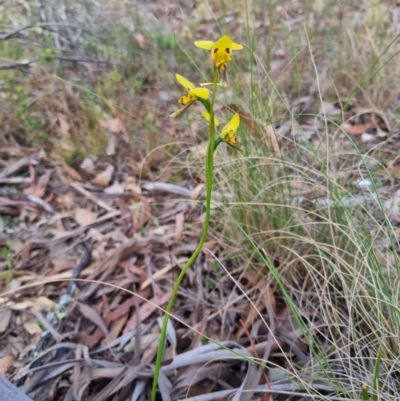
pixel 203 93
pixel 223 43
pixel 184 100
pixel 236 46
pixel 232 126
pixel 193 94
pixel 206 115
pixel 184 82
pixel 204 44
pixel 229 131
pixel 230 139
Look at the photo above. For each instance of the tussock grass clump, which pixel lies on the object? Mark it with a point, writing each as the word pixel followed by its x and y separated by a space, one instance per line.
pixel 327 249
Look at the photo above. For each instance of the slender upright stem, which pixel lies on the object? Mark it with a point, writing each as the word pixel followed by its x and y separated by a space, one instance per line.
pixel 209 183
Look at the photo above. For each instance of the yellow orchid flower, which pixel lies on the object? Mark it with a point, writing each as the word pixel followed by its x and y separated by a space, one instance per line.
pixel 229 131
pixel 220 50
pixel 206 115
pixel 193 94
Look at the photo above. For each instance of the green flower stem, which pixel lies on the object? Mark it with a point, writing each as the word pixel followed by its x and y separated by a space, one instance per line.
pixel 209 183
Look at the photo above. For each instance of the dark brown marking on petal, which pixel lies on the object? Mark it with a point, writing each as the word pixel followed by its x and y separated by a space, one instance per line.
pixel 228 50
pixel 216 50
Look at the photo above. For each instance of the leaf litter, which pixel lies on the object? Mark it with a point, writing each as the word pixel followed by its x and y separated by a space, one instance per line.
pixel 97 338
pixel 140 233
pixel 127 239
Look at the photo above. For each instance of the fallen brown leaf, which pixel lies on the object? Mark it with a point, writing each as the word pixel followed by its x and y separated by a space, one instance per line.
pixel 103 179
pixel 39 189
pixel 84 217
pixel 72 172
pixel 6 363
pixel 93 316
pixel 88 166
pixel 146 310
pixel 157 275
pixel 25 254
pixel 140 215
pixel 179 220
pixel 64 126
pixel 5 316
pixel 357 129
pixel 111 144
pixel 116 328
pixel 31 327
pixel 117 313
pixel 114 125
pixel 141 40
pixel 138 271
pixel 114 189
pixel 125 306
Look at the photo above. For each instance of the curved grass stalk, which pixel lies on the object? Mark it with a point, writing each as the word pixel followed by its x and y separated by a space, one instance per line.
pixel 209 183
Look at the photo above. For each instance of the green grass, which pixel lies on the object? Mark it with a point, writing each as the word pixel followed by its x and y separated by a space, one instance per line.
pixel 327 256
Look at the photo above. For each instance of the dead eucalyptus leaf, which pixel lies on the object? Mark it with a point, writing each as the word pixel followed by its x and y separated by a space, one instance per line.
pixel 103 179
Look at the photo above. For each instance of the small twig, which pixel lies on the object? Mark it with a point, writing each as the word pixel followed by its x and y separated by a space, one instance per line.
pixel 154 187
pixel 75 40
pixel 75 232
pixel 53 20
pixel 38 201
pixel 9 35
pixel 16 167
pixel 15 180
pixel 9 193
pixel 45 25
pixel 92 197
pixel 47 325
pixel 17 64
pixel 84 60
